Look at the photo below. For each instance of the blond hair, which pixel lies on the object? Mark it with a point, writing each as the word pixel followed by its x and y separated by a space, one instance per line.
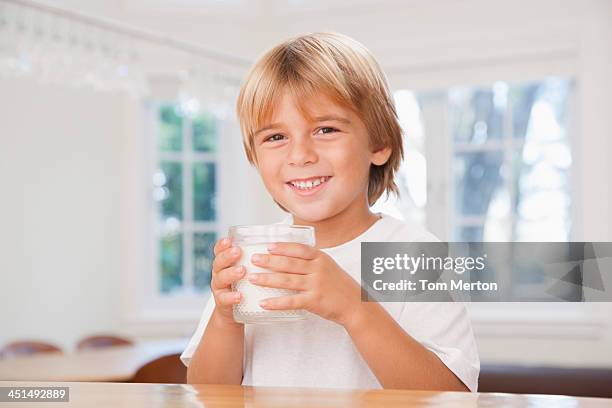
pixel 342 69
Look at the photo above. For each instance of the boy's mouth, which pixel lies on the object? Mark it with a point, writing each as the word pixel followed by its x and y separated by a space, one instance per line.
pixel 308 186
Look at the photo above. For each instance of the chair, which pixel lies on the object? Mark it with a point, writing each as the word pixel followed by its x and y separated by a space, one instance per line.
pixel 163 370
pixel 102 341
pixel 26 348
pixel 579 382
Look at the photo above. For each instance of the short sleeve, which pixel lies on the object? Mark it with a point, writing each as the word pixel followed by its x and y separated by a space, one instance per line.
pixel 446 330
pixel 197 336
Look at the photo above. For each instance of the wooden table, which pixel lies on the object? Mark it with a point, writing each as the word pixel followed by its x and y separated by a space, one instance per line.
pixel 118 363
pixel 227 396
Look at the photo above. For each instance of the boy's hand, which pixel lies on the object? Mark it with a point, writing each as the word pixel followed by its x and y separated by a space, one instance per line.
pixel 324 288
pixel 224 273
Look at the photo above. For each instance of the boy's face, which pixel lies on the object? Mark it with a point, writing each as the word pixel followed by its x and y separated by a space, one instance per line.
pixel 315 168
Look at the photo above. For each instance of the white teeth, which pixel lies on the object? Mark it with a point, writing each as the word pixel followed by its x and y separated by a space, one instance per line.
pixel 305 185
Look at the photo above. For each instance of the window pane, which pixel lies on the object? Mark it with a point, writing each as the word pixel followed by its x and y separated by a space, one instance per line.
pixel 468 233
pixel 203 244
pixel 204 190
pixel 477 178
pixel 541 108
pixel 204 133
pixel 170 129
pixel 169 191
pixel 171 261
pixel 516 188
pixel 477 114
pixel 522 98
pixel 542 203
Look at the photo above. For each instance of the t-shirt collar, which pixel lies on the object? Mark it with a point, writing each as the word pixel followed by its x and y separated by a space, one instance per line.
pixel 366 235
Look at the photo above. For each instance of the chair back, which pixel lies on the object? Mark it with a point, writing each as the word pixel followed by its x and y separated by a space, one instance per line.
pixel 578 382
pixel 102 341
pixel 163 370
pixel 26 348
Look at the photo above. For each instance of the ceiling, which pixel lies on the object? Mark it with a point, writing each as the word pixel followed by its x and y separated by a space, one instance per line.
pixel 264 8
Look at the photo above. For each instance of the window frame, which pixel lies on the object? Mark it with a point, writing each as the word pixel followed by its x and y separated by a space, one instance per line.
pixel 155 306
pixel 144 310
pixel 187 157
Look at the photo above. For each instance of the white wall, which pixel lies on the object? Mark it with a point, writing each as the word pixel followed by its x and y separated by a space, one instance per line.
pixel 60 174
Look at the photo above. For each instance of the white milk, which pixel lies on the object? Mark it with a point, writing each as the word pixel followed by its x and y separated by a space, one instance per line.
pixel 248 310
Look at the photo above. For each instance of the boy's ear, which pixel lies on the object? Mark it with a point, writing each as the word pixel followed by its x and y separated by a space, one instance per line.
pixel 381 156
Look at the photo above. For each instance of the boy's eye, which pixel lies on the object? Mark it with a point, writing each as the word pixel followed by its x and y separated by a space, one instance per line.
pixel 274 138
pixel 328 129
pixel 277 136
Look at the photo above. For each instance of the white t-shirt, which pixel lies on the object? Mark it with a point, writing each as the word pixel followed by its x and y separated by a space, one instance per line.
pixel 316 352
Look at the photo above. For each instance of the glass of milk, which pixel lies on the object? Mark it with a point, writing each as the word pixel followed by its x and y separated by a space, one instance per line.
pixel 254 239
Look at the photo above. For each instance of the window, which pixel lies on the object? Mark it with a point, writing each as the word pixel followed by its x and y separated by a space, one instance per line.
pixel 505 155
pixel 511 166
pixel 511 161
pixel 185 197
pixel 496 160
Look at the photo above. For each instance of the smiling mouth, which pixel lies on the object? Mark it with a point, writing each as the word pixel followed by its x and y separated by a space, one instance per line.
pixel 309 184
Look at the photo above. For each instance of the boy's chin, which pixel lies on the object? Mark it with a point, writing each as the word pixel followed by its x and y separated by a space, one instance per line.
pixel 310 215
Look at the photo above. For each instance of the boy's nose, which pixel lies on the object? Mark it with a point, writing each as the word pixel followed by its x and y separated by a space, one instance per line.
pixel 301 153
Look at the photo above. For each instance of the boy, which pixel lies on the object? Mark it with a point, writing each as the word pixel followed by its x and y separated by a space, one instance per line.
pixel 319 124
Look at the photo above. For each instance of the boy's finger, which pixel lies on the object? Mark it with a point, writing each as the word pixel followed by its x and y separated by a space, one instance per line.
pixel 281 263
pixel 221 244
pixel 226 258
pixel 225 277
pixel 228 298
pixel 293 249
pixel 278 280
pixel 291 302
